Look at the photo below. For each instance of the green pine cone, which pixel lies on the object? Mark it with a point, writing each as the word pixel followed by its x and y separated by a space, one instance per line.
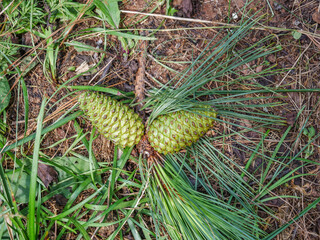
pixel 114 120
pixel 172 132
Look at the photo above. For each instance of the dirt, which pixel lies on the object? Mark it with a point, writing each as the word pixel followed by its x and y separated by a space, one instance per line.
pixel 174 47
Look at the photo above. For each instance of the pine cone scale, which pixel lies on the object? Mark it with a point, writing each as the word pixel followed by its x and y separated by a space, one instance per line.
pixel 113 119
pixel 173 132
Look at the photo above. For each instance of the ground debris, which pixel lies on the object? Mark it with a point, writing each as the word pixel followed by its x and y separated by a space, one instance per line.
pixel 316 16
pixel 185 6
pixel 47 174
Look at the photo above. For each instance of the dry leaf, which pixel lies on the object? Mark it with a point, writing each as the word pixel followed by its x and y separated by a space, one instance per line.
pixel 259 69
pixel 61 200
pixel 82 68
pixel 316 16
pixel 240 3
pixel 272 58
pixel 47 174
pixel 28 39
pixel 291 118
pixel 187 7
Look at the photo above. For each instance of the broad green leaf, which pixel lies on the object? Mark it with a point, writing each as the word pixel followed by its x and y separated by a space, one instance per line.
pixel 69 167
pixel 4 92
pixel 110 11
pixel 296 35
pixel 77 165
pixel 19 184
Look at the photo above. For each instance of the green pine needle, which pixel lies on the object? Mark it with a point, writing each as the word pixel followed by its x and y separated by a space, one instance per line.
pixel 215 62
pixel 189 214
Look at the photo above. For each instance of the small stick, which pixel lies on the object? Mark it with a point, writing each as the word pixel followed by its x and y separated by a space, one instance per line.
pixel 140 76
pixel 169 17
pixel 218 24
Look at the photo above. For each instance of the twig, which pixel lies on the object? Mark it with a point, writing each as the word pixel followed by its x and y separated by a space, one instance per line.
pixel 168 17
pixel 140 76
pixel 6 8
pixel 262 27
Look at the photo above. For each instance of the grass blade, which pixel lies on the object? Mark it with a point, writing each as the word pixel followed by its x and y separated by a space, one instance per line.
pixel 31 224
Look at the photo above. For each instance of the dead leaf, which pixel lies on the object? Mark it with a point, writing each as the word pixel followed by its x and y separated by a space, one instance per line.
pixel 259 69
pixel 297 98
pixel 315 171
pixel 300 189
pixel 245 70
pixel 134 66
pixel 291 118
pixel 316 16
pixel 47 174
pixel 272 58
pixel 82 68
pixel 60 133
pixel 240 3
pixel 187 7
pixel 27 39
pixel 61 200
pixel 250 134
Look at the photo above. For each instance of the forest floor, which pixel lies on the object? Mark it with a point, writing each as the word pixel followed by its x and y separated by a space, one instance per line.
pixel 293 25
